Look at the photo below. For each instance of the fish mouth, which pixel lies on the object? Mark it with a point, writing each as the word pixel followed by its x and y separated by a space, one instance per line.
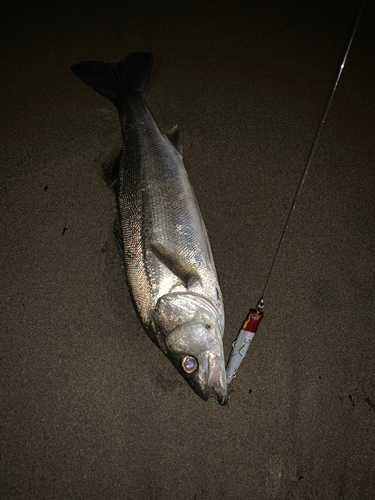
pixel 216 379
pixel 222 397
pixel 222 400
pixel 209 380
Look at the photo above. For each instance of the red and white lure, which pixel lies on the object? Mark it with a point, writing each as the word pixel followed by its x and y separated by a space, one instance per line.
pixel 242 343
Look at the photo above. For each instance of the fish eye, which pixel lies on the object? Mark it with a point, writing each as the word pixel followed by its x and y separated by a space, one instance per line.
pixel 189 364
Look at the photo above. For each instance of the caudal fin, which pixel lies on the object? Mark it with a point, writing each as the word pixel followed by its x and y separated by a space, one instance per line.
pixel 111 80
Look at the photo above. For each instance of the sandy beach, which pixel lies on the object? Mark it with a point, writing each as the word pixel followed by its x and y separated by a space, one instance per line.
pixel 90 408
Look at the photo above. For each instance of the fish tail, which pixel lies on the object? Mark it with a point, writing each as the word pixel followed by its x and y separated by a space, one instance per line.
pixel 113 80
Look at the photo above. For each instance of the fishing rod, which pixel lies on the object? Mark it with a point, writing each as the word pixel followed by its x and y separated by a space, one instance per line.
pixel 249 327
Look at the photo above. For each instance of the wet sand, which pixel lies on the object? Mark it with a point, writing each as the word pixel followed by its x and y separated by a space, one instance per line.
pixel 90 408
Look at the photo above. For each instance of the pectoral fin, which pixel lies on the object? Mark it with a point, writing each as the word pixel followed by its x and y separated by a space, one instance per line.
pixel 179 266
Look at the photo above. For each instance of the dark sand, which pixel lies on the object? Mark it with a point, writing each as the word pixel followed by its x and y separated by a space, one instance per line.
pixel 90 409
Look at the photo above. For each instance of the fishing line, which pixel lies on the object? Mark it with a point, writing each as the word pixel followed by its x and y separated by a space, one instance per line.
pixel 313 148
pixel 249 327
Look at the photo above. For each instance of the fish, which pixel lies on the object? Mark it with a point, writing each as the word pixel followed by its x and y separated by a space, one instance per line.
pixel 168 260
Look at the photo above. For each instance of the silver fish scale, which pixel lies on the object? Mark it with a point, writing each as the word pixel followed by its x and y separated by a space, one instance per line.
pixel 158 206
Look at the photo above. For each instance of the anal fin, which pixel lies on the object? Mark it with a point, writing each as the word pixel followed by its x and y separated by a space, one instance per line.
pixel 117 233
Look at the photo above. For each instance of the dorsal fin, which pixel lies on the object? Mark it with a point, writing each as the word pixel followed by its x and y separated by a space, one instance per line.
pixel 175 138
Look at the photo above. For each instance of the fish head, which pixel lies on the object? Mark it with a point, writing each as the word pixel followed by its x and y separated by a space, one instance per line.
pixel 190 331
